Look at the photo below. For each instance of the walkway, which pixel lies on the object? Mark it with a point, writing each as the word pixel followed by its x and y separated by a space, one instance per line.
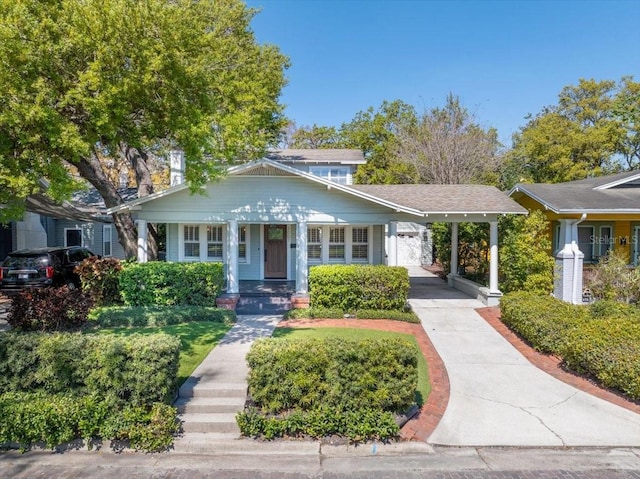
pixel 497 397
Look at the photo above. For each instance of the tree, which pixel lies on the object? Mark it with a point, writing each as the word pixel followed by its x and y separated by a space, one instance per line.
pixel 593 126
pixel 446 146
pixel 85 80
pixel 315 137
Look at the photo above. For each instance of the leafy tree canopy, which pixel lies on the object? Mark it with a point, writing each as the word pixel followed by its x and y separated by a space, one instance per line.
pixel 86 79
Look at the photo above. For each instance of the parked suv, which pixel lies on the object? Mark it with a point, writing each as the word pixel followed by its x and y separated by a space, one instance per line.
pixel 42 267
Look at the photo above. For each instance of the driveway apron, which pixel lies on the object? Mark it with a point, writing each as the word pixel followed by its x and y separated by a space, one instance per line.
pixel 497 397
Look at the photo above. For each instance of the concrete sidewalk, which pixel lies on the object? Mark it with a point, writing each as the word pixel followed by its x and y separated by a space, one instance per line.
pixel 497 397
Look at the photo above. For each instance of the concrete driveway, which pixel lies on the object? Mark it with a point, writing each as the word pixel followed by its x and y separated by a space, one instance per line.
pixel 497 397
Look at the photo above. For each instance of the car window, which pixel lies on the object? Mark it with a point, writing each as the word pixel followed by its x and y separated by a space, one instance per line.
pixel 78 255
pixel 27 262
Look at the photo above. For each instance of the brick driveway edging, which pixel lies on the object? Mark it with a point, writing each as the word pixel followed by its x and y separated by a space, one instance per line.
pixel 420 426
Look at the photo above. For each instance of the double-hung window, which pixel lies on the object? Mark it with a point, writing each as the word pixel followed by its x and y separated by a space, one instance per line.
pixel 360 244
pixel 314 244
pixel 214 242
pixel 336 243
pixel 242 243
pixel 106 241
pixel 191 237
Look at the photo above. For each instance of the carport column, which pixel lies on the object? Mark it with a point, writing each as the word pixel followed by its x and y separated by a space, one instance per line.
pixel 392 243
pixel 233 286
pixel 493 257
pixel 453 269
pixel 142 241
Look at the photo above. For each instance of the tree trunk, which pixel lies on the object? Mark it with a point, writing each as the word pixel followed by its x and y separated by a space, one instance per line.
pixel 138 160
pixel 91 170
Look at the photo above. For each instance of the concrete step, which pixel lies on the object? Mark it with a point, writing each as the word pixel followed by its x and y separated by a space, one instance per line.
pixel 193 388
pixel 209 404
pixel 233 444
pixel 263 304
pixel 209 423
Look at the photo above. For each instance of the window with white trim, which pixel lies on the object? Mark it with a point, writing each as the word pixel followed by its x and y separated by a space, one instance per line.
pixel 314 244
pixel 336 243
pixel 586 242
pixel 214 242
pixel 106 241
pixel 191 237
pixel 360 244
pixel 243 233
pixel 605 240
pixel 339 174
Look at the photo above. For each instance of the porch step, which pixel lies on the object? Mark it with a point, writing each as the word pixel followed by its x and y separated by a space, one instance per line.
pixel 203 404
pixel 210 423
pixel 194 389
pixel 263 304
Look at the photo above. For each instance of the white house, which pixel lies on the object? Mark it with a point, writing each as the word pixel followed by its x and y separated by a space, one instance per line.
pixel 269 220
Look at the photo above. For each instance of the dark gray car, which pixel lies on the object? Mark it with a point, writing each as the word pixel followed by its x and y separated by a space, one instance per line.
pixel 41 267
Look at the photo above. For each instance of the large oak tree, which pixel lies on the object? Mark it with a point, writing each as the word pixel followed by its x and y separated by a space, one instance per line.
pixel 85 80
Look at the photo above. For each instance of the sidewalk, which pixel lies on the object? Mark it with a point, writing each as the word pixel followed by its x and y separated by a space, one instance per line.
pixel 497 397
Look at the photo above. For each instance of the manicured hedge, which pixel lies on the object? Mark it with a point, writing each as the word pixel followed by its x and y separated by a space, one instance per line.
pixel 328 386
pixel 602 340
pixel 169 284
pixel 355 287
pixel 49 309
pixel 117 316
pixel 54 419
pixel 135 370
pixel 328 313
pixel 543 321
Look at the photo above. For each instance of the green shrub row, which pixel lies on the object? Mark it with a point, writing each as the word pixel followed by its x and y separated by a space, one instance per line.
pixel 122 316
pixel 135 370
pixel 356 287
pixel 543 321
pixel 169 284
pixel 602 340
pixel 49 309
pixel 327 313
pixel 99 279
pixel 55 419
pixel 332 372
pixel 357 426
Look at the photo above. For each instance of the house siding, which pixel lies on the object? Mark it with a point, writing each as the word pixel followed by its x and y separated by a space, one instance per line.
pixel 251 270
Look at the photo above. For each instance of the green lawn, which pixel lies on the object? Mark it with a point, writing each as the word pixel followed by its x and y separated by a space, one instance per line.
pixel 424 387
pixel 197 338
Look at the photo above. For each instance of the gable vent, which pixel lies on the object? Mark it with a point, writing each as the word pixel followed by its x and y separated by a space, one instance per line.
pixel 265 170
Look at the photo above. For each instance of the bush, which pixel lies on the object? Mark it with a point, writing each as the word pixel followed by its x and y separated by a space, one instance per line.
pixel 99 278
pixel 49 309
pixel 53 419
pixel 355 287
pixel 326 313
pixel 122 316
pixel 543 321
pixel 170 284
pixel 613 309
pixel 135 370
pixel 336 373
pixel 612 279
pixel 609 350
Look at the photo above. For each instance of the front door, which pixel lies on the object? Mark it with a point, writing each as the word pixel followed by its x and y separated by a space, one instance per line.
pixel 275 251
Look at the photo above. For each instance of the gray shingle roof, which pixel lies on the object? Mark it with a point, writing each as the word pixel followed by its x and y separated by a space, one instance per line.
pixel 445 198
pixel 582 195
pixel 340 156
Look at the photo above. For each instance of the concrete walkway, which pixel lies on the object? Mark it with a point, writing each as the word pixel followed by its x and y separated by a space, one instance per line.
pixel 497 397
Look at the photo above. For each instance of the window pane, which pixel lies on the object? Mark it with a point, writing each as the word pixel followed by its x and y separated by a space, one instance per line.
pixel 192 233
pixel 336 251
pixel 336 235
pixel 214 250
pixel 214 233
pixel 360 235
pixel 585 241
pixel 74 237
pixel 275 234
pixel 242 251
pixel 360 252
pixel 314 251
pixel 192 249
pixel 242 234
pixel 314 235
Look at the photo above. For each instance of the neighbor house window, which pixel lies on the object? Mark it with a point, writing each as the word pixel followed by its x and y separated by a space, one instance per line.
pixel 73 237
pixel 314 244
pixel 106 241
pixel 242 243
pixel 214 242
pixel 336 243
pixel 191 241
pixel 360 244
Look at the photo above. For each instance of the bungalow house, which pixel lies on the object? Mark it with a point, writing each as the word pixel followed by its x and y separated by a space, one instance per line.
pixel 588 218
pixel 269 219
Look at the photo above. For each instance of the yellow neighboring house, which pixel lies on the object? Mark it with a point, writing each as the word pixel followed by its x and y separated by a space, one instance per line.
pixel 588 218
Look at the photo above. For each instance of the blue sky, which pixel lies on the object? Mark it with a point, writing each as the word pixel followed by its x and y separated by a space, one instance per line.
pixel 504 59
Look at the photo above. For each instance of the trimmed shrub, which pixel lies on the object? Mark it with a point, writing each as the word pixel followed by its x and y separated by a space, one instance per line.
pixel 354 287
pixel 135 370
pixel 612 279
pixel 543 321
pixel 326 313
pixel 99 278
pixel 122 316
pixel 49 309
pixel 346 375
pixel 609 350
pixel 613 309
pixel 170 284
pixel 53 419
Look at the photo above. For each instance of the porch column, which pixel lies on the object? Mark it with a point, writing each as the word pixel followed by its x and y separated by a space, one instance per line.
pixel 453 269
pixel 392 243
pixel 569 262
pixel 142 241
pixel 233 286
pixel 493 257
pixel 302 267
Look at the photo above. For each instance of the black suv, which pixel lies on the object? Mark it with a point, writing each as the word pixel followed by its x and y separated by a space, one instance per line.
pixel 42 267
